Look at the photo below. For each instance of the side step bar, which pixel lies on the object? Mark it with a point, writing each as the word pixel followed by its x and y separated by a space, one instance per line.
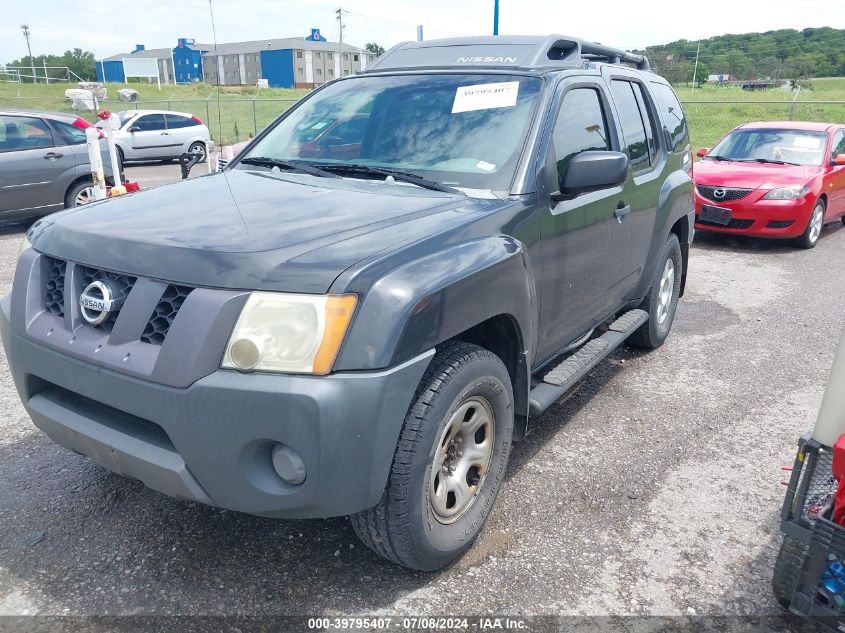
pixel 563 377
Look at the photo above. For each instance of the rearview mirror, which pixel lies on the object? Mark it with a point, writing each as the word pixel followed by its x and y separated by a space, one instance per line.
pixel 839 160
pixel 702 152
pixel 135 128
pixel 592 170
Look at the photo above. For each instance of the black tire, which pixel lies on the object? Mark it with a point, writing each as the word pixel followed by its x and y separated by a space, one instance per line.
pixel 198 147
pixel 653 332
pixel 120 157
pixel 787 571
pixel 810 238
pixel 403 527
pixel 74 191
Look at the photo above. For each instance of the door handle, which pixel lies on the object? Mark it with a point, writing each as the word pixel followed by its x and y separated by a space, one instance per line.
pixel 164 133
pixel 52 155
pixel 621 211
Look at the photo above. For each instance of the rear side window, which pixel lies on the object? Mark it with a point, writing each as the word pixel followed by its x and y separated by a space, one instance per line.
pixel 71 135
pixel 581 126
pixel 672 114
pixel 648 121
pixel 177 121
pixel 150 122
pixel 633 128
pixel 18 133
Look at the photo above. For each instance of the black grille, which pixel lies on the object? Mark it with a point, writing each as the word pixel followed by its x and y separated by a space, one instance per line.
pixel 780 224
pixel 54 296
pixel 162 317
pixel 733 224
pixel 730 194
pixel 120 285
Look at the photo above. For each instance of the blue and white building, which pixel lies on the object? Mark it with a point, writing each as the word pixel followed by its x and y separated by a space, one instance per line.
pixel 292 62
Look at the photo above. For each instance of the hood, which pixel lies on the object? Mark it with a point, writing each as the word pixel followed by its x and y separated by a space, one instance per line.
pixel 720 173
pixel 247 230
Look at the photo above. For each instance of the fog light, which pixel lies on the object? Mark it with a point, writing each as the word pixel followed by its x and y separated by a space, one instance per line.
pixel 288 465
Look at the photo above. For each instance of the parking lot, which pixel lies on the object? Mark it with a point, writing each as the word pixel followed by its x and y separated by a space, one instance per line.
pixel 653 488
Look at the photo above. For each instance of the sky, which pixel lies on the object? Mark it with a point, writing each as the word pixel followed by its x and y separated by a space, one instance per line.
pixel 107 28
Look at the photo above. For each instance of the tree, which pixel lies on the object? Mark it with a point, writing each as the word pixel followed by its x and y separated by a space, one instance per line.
pixel 81 63
pixel 372 47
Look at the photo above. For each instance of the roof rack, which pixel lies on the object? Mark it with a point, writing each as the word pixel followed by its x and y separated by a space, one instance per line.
pixel 504 51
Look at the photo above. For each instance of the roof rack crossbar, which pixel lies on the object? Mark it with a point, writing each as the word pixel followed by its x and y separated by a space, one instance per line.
pixel 593 50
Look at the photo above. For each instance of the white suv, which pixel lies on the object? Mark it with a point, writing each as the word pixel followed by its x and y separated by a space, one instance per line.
pixel 160 135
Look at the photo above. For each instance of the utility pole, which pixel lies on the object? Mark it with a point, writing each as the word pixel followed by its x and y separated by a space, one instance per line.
pixel 495 17
pixel 340 42
pixel 25 29
pixel 695 69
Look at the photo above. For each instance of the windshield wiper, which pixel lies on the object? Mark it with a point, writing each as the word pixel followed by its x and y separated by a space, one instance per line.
pixel 717 157
pixel 770 161
pixel 401 176
pixel 263 161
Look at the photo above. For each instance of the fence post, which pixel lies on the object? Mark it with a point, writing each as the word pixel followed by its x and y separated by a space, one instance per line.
pixel 254 119
pixel 792 106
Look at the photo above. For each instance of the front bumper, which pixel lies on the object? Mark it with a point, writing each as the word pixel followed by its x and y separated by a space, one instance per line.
pixel 757 217
pixel 212 441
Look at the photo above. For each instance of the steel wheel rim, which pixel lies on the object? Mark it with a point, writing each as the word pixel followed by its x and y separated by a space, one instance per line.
pixel 667 289
pixel 84 196
pixel 461 460
pixel 816 223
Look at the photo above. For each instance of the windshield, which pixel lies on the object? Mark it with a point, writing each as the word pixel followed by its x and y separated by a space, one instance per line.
pixel 459 130
pixel 799 147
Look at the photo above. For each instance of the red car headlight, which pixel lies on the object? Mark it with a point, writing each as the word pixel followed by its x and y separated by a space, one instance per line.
pixel 787 193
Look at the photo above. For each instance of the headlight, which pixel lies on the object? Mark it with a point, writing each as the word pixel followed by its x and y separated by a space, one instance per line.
pixel 25 245
pixel 289 333
pixel 787 193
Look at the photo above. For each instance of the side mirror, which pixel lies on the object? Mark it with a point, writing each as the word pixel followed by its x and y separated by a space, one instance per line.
pixel 702 152
pixel 135 128
pixel 838 160
pixel 592 170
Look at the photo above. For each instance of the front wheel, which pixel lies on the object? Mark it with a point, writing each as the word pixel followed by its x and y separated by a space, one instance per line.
pixel 814 227
pixel 449 462
pixel 662 298
pixel 199 149
pixel 81 193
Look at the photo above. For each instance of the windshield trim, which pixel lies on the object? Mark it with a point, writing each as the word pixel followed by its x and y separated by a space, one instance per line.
pixel 520 170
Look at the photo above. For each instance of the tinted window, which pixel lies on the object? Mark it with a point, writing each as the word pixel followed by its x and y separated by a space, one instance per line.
pixel 150 122
pixel 581 126
pixel 648 121
pixel 636 144
pixel 838 144
pixel 177 121
pixel 673 114
pixel 71 135
pixel 22 133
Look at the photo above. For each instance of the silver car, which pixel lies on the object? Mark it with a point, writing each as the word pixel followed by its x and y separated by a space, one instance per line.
pixel 44 165
pixel 160 135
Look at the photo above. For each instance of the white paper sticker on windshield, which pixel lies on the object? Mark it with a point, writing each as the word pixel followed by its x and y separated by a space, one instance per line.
pixel 485 96
pixel 808 142
pixel 483 164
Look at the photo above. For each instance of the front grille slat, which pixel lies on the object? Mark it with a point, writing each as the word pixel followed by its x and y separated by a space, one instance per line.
pixel 731 193
pixel 165 312
pixel 54 292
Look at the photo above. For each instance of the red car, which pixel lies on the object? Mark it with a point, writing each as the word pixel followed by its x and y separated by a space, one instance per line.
pixel 779 179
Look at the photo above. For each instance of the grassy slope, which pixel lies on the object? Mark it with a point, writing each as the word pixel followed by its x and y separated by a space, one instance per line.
pixel 708 121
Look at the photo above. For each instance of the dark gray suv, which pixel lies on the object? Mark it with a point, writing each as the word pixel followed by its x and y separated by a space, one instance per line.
pixel 44 163
pixel 364 328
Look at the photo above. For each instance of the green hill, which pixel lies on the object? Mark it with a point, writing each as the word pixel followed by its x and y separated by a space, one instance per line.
pixel 783 54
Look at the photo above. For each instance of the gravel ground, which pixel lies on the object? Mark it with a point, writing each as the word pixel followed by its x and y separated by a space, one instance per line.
pixel 652 489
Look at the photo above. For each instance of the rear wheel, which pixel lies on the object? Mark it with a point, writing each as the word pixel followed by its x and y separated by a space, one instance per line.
pixel 788 569
pixel 662 298
pixel 199 149
pixel 79 194
pixel 449 462
pixel 814 227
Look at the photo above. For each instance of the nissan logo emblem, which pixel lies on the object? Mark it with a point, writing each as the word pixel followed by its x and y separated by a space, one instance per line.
pixel 97 302
pixel 719 193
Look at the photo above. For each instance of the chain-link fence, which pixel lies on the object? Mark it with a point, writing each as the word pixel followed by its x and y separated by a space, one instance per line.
pixel 235 118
